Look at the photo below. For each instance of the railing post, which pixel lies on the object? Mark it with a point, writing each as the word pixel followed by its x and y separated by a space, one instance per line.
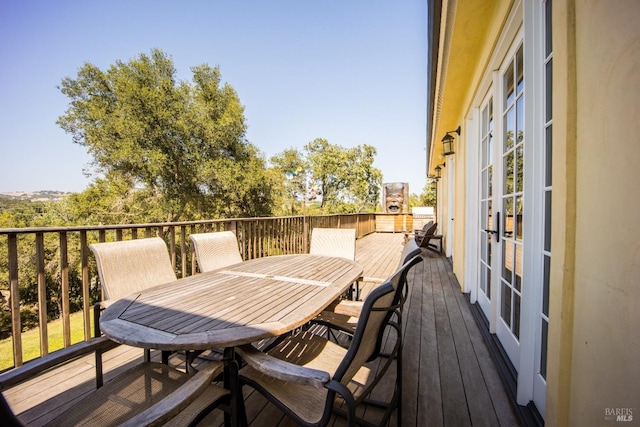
pixel 16 326
pixel 305 234
pixel 183 250
pixel 42 295
pixel 64 289
pixel 84 263
pixel 172 246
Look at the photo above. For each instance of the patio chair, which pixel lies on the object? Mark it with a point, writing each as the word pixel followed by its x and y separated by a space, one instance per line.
pixel 424 238
pixel 338 242
pixel 305 372
pixel 216 250
pixel 344 315
pixel 147 394
pixel 128 266
pixel 418 232
pixel 426 228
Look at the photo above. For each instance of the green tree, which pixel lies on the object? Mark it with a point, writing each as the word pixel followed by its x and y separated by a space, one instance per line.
pixel 349 182
pixel 290 169
pixel 364 179
pixel 428 195
pixel 328 164
pixel 163 142
pixel 233 188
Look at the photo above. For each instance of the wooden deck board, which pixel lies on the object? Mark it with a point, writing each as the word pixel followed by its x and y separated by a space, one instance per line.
pixel 429 411
pixel 449 377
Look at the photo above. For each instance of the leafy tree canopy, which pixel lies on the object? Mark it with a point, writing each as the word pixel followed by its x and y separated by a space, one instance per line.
pixel 177 149
pixel 428 195
pixel 346 179
pixel 346 175
pixel 291 170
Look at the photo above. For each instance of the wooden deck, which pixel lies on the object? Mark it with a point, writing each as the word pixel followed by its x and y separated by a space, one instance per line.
pixel 449 377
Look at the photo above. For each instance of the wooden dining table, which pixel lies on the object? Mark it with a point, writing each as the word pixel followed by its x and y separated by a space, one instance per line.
pixel 239 304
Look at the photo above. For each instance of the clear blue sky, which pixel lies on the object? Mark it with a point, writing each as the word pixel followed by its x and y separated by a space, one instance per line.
pixel 350 71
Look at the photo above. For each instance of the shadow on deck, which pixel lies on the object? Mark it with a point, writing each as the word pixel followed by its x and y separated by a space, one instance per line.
pixel 449 376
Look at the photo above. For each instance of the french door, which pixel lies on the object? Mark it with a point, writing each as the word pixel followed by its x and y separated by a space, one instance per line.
pixel 513 164
pixel 502 139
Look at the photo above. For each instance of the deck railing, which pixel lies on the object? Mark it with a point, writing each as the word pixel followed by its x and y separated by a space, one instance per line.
pixel 58 264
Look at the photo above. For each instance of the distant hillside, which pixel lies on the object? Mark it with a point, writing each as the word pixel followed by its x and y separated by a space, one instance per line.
pixel 35 196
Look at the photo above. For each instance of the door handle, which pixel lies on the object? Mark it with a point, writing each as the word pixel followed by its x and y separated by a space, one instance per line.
pixel 495 232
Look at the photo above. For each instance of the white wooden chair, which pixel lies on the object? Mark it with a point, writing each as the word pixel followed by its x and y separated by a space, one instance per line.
pixel 216 250
pixel 305 372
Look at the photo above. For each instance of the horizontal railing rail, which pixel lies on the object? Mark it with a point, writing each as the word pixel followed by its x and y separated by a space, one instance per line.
pixel 50 273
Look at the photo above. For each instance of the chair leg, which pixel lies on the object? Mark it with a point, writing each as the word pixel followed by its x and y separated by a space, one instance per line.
pixel 399 380
pixel 99 377
pixel 350 402
pixel 242 411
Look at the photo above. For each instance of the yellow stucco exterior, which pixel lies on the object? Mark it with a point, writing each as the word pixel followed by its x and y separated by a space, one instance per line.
pixel 595 353
pixel 594 280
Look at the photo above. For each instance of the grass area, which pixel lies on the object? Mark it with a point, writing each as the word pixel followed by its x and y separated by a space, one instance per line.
pixel 31 340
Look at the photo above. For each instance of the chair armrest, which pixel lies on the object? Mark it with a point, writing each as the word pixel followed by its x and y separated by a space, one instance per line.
pixel 182 397
pixel 281 369
pixel 349 308
pixel 34 367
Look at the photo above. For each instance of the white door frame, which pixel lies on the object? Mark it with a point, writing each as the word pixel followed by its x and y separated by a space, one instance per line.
pixel 451 177
pixel 472 202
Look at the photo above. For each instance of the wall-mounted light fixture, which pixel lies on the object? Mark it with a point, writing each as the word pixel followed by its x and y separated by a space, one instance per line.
pixel 447 142
pixel 438 171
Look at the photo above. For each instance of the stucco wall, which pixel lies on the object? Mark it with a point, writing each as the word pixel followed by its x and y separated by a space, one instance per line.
pixel 595 300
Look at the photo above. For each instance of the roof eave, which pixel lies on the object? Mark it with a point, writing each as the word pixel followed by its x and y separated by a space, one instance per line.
pixel 434 15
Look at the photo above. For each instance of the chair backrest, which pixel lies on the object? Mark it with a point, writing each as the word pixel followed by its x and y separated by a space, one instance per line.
pixel 431 230
pixel 129 266
pixel 339 242
pixel 409 250
pixel 376 313
pixel 216 250
pixel 423 239
pixel 427 226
